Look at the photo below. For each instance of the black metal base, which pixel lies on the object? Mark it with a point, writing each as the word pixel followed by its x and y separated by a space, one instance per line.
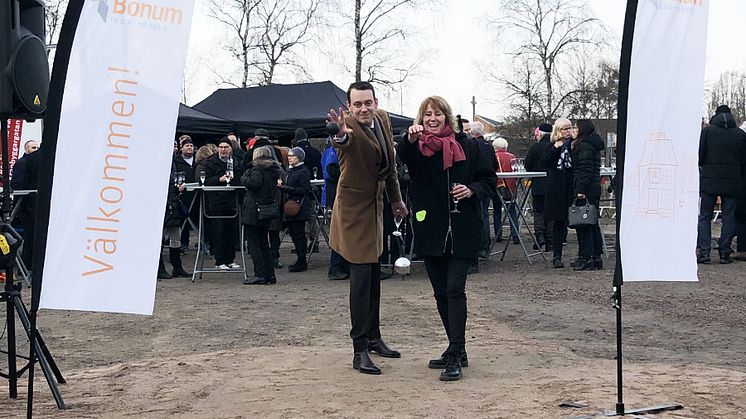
pixel 641 411
pixel 42 354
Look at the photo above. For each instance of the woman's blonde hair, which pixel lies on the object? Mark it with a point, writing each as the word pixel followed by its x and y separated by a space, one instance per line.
pixel 263 151
pixel 557 128
pixel 437 103
pixel 203 153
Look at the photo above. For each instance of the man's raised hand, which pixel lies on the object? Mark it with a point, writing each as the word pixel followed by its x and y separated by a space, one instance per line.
pixel 339 119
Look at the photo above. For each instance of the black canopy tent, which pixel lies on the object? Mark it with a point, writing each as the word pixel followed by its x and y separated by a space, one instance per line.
pixel 281 108
pixel 201 126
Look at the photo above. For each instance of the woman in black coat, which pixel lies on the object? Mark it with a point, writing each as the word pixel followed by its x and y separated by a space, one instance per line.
pixel 450 179
pixel 172 221
pixel 260 180
pixel 298 188
pixel 586 158
pixel 559 185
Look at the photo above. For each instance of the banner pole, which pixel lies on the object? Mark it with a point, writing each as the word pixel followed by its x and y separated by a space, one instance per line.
pixel 622 111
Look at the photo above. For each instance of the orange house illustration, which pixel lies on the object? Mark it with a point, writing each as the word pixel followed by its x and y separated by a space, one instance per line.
pixel 657 176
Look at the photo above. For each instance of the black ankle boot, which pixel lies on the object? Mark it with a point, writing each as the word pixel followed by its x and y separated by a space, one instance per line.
pixel 162 272
pixel 174 256
pixel 585 265
pixel 452 372
pixel 598 262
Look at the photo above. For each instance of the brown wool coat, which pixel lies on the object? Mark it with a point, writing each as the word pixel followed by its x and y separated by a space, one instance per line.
pixel 357 217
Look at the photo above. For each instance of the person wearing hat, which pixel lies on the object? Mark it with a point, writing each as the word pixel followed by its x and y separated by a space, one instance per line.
pixel 722 164
pixel 313 156
pixel 261 137
pixel 298 189
pixel 535 163
pixel 183 161
pixel 223 169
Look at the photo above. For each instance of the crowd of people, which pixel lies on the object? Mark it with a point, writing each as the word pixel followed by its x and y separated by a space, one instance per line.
pixel 441 177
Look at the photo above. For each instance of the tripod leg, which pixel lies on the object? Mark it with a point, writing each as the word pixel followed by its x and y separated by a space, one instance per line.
pixel 52 375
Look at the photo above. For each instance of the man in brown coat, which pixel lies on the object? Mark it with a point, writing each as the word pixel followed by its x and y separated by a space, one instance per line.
pixel 368 167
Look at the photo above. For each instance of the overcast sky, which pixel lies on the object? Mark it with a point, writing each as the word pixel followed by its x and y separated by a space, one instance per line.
pixel 463 43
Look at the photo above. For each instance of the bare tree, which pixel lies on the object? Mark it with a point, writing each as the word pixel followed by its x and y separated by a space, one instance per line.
pixel 54 12
pixel 283 26
pixel 524 91
pixel 237 15
pixel 547 32
pixel 730 89
pixel 376 31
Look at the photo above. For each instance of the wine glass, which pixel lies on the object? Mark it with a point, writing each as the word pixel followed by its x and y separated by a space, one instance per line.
pixel 315 172
pixel 397 222
pixel 229 176
pixel 613 163
pixel 453 197
pixel 202 176
pixel 514 165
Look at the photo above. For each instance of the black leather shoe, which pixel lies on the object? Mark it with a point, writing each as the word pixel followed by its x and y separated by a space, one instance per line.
pixel 440 363
pixel 362 362
pixel 270 280
pixel 598 262
pixel 576 262
pixel 585 265
pixel 452 372
pixel 557 263
pixel 725 259
pixel 298 267
pixel 257 280
pixel 379 346
pixel 338 276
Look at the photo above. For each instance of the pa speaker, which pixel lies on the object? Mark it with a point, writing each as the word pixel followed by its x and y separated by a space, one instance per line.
pixel 29 77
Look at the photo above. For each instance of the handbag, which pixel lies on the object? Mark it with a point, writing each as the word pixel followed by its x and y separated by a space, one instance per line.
pixel 269 211
pixel 291 208
pixel 581 216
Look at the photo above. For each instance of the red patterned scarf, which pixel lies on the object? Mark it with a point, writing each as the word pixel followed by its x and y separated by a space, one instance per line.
pixel 445 140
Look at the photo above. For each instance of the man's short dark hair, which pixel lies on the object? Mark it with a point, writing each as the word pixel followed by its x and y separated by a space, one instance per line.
pixel 360 85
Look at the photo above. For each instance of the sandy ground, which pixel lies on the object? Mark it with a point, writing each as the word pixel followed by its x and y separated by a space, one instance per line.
pixel 536 336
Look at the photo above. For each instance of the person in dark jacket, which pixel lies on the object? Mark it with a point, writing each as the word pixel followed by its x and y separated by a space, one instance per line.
pixel 262 138
pixel 184 162
pixel 261 182
pixel 339 269
pixel 559 186
pixel 21 180
pixel 450 179
pixel 477 132
pixel 297 188
pixel 312 162
pixel 171 230
pixel 586 160
pixel 220 170
pixel 722 163
pixel 535 163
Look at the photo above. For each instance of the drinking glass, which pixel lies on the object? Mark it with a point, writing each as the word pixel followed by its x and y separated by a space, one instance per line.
pixel 202 176
pixel 455 200
pixel 315 172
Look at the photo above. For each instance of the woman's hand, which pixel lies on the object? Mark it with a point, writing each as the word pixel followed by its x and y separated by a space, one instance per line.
pixel 461 192
pixel 339 119
pixel 581 196
pixel 558 144
pixel 414 132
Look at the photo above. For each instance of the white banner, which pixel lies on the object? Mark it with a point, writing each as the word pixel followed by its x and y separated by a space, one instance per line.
pixel 658 230
pixel 113 157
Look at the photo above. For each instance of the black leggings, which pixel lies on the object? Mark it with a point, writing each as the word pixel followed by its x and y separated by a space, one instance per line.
pixel 448 278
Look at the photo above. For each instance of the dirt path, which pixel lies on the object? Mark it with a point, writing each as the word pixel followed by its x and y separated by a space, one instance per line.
pixel 536 337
